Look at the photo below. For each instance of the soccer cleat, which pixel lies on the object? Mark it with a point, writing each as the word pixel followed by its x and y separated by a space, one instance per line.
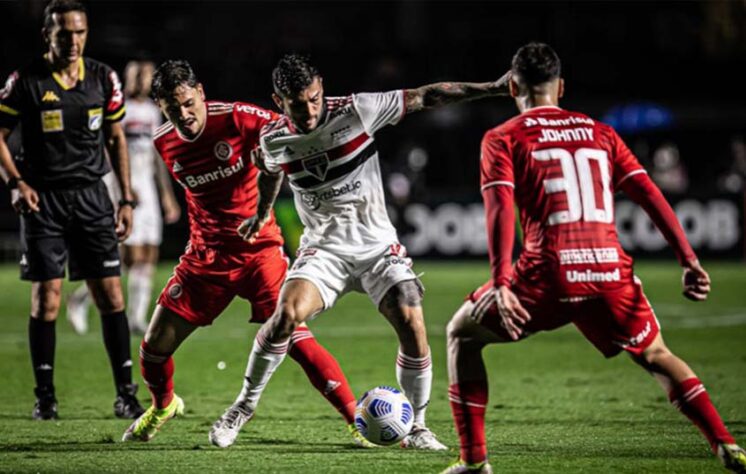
pixel 146 427
pixel 733 457
pixel 45 407
pixel 225 430
pixel 422 438
pixel 358 438
pixel 77 313
pixel 126 404
pixel 461 467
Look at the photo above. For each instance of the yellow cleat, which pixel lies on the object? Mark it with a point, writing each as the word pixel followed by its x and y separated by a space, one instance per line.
pixel 146 427
pixel 358 438
pixel 733 457
pixel 461 467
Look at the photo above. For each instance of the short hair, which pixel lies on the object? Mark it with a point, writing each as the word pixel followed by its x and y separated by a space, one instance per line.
pixel 536 63
pixel 292 74
pixel 61 6
pixel 170 75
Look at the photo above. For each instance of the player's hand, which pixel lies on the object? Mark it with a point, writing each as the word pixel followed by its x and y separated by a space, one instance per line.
pixel 171 211
pixel 25 199
pixel 512 314
pixel 696 281
pixel 501 85
pixel 249 228
pixel 124 222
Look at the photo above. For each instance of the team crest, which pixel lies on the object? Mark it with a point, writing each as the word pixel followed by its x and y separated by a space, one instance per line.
pixel 223 151
pixel 317 166
pixel 175 291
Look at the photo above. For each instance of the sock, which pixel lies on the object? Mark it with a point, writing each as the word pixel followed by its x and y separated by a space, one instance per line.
pixel 117 342
pixel 415 377
pixel 158 372
pixel 693 401
pixel 42 341
pixel 139 287
pixel 323 371
pixel 468 405
pixel 264 359
pixel 83 297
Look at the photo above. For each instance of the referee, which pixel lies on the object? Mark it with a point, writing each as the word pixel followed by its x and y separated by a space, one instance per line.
pixel 69 108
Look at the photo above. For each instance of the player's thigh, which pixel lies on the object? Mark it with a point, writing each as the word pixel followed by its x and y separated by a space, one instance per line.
pixel 92 239
pixel 402 305
pixel 618 320
pixel 167 330
pixel 261 280
pixel 462 326
pixel 388 273
pixel 331 275
pixel 200 287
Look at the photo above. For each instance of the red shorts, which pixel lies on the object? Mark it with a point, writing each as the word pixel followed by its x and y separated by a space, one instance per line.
pixel 612 321
pixel 205 281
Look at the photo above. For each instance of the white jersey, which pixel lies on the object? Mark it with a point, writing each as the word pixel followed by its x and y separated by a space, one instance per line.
pixel 142 118
pixel 335 175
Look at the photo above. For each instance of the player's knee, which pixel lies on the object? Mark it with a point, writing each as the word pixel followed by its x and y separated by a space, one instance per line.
pixel 45 304
pixel 288 320
pixel 654 356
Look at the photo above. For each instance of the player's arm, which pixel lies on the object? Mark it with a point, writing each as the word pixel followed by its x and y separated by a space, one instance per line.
pixel 23 197
pixel 444 93
pixel 268 187
pixel 116 145
pixel 643 191
pixel 171 208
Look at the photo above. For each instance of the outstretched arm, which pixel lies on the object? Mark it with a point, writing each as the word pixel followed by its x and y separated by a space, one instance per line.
pixel 641 189
pixel 268 185
pixel 444 93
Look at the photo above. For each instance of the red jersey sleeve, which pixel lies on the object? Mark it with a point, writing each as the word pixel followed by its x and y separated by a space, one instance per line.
pixel 624 161
pixel 249 120
pixel 115 108
pixel 10 102
pixel 496 164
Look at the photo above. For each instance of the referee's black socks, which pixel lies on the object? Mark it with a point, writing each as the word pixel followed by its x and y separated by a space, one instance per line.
pixel 42 340
pixel 117 341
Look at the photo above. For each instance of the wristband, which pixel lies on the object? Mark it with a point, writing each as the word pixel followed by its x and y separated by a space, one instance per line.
pixel 13 182
pixel 127 202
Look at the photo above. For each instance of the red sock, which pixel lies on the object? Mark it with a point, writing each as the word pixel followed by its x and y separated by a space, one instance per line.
pixel 323 371
pixel 468 404
pixel 692 400
pixel 158 372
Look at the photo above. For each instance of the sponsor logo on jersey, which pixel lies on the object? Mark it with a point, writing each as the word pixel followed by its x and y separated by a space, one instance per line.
pixel 342 132
pixel 340 112
pixel 175 291
pixel 177 167
pixel 247 109
pixel 50 96
pixel 588 276
pixel 313 199
pixel 544 122
pixel 567 135
pixel 192 181
pixel 280 133
pixel 95 117
pixel 588 255
pixel 223 151
pixel 317 165
pixel 638 338
pixel 51 121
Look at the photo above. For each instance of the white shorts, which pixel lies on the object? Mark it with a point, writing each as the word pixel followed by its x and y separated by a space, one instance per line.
pixel 335 276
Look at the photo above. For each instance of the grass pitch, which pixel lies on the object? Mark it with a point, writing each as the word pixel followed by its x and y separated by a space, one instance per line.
pixel 556 405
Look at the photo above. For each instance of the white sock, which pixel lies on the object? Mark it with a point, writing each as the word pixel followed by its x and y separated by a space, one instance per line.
pixel 139 286
pixel 264 359
pixel 82 297
pixel 415 377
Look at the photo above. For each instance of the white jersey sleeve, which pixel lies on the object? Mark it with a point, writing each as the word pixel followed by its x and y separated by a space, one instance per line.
pixel 376 110
pixel 269 158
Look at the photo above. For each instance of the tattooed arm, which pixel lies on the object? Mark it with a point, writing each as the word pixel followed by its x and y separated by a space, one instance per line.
pixel 444 93
pixel 268 184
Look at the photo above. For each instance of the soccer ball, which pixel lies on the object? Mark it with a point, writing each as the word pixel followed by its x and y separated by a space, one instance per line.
pixel 384 415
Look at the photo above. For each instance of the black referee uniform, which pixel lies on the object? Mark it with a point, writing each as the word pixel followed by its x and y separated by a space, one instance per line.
pixel 62 131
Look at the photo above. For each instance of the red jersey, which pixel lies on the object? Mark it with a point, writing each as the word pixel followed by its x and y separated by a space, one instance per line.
pixel 216 172
pixel 564 168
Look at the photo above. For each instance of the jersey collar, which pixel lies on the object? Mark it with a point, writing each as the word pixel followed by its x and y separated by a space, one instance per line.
pixel 58 78
pixel 541 108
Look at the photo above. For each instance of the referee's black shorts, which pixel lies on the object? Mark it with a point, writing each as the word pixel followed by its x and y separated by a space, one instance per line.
pixel 78 224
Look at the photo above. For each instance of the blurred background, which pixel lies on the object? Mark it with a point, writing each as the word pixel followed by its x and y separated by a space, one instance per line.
pixel 665 74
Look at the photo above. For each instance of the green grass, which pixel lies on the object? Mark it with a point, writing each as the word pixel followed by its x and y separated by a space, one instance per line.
pixel 556 405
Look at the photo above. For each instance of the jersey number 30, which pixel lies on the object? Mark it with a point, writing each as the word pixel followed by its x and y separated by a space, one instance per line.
pixel 578 184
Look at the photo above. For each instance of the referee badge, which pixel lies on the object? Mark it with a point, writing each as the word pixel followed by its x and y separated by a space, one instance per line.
pixel 51 121
pixel 95 118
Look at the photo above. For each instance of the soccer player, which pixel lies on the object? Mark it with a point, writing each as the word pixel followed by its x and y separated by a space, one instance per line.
pixel 149 180
pixel 562 168
pixel 326 148
pixel 206 146
pixel 70 108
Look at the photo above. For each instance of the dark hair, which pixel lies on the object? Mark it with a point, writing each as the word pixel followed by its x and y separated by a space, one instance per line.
pixel 292 74
pixel 61 6
pixel 536 63
pixel 170 75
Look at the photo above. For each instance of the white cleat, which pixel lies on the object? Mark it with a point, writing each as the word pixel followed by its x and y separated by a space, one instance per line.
pixel 422 438
pixel 77 313
pixel 225 431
